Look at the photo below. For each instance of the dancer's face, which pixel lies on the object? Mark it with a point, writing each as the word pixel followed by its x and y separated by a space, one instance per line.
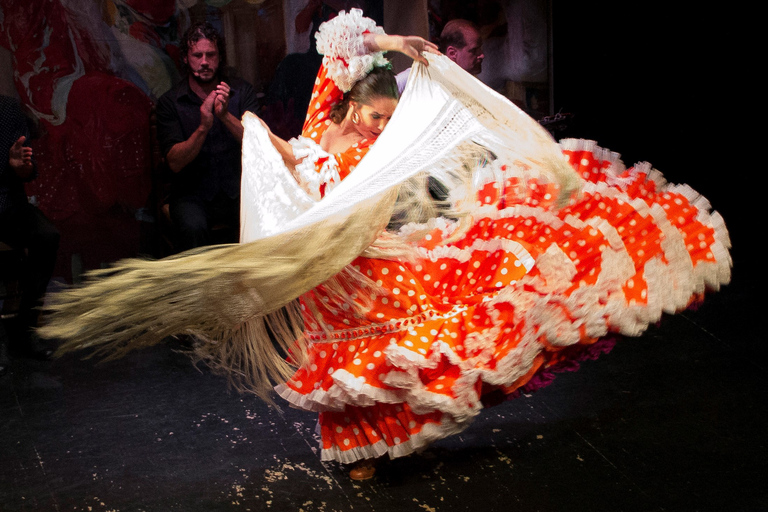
pixel 203 61
pixel 372 116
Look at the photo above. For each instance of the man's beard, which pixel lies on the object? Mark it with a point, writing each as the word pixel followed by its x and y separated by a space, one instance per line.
pixel 202 81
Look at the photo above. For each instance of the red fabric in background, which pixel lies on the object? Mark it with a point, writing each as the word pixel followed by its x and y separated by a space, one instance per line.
pixel 93 147
pixel 99 158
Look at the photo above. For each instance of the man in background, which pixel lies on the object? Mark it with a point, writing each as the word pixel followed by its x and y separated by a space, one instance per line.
pixel 461 42
pixel 200 136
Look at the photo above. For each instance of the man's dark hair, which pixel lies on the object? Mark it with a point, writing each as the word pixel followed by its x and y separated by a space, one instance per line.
pixel 198 31
pixel 453 34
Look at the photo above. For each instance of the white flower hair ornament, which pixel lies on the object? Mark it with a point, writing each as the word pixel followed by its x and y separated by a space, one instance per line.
pixel 340 41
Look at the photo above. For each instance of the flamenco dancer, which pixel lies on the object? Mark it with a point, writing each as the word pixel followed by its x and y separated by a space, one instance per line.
pixel 446 260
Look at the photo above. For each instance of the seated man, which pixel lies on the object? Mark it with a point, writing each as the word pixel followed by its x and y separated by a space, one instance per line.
pixel 23 226
pixel 200 135
pixel 461 42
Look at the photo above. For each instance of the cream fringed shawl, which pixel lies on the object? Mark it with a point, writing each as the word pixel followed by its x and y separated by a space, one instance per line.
pixel 238 300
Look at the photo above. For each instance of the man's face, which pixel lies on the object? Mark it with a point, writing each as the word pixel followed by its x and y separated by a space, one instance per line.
pixel 203 60
pixel 469 58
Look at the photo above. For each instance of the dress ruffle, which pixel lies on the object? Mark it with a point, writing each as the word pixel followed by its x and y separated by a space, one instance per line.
pixel 521 291
pixel 340 41
pixel 318 170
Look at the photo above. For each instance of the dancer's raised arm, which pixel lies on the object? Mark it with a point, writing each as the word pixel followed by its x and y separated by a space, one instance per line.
pixel 411 46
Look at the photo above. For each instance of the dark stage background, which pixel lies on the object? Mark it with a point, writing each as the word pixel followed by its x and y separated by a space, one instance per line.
pixel 671 85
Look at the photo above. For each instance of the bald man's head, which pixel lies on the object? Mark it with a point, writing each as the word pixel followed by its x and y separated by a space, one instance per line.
pixel 460 40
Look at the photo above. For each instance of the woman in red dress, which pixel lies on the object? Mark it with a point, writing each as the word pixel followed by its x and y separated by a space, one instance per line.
pixel 479 284
pixel 522 287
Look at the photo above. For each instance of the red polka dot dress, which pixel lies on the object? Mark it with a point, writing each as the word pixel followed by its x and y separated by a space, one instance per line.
pixel 406 351
pixel 408 358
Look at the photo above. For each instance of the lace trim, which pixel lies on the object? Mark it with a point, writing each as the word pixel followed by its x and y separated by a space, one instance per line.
pixel 392 325
pixel 340 40
pixel 710 273
pixel 465 254
pixel 616 165
pixel 312 179
pixel 429 433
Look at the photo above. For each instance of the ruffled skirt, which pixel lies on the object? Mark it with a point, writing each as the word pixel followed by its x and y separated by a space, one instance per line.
pixel 483 309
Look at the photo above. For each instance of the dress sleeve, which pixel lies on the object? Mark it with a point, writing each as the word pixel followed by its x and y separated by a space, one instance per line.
pixel 319 171
pixel 325 94
pixel 349 159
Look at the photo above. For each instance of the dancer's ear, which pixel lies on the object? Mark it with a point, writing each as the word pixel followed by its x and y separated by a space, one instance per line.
pixel 353 113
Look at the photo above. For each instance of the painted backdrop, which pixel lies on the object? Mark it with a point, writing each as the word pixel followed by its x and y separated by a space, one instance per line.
pixel 88 73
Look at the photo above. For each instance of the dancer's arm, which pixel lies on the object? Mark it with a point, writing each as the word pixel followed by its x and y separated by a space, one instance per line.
pixel 411 46
pixel 284 148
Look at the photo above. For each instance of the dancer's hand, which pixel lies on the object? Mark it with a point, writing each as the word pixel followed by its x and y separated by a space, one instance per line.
pixel 412 46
